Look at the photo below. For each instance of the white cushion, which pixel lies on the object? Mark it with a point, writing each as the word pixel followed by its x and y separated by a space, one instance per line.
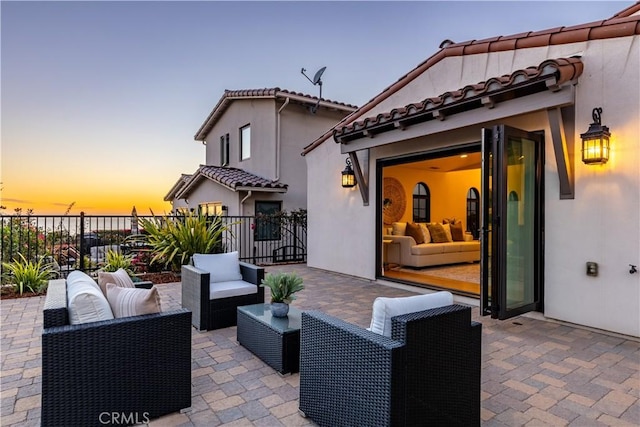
pixel 119 278
pixel 425 233
pixel 77 276
pixel 398 228
pixel 221 267
pixel 127 302
pixel 233 288
pixel 385 308
pixel 86 302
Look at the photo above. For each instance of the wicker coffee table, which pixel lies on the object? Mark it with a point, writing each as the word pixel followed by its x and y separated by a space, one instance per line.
pixel 274 340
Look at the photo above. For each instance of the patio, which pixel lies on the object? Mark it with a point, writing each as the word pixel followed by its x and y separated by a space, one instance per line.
pixel 534 372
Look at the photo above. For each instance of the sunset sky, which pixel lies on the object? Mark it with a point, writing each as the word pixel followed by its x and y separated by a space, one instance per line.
pixel 101 100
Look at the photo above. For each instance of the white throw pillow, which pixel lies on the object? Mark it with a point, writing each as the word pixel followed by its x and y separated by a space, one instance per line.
pixel 119 278
pixel 385 308
pixel 127 302
pixel 425 233
pixel 86 302
pixel 398 228
pixel 221 267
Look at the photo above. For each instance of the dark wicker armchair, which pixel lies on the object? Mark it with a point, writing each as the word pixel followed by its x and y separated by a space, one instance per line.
pixel 120 371
pixel 218 313
pixel 427 373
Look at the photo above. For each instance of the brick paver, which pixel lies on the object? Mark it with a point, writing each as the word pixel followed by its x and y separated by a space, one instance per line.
pixel 534 372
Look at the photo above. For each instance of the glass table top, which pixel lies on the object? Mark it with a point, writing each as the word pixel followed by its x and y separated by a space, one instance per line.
pixel 262 313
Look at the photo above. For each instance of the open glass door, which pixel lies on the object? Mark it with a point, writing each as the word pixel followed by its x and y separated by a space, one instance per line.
pixel 512 222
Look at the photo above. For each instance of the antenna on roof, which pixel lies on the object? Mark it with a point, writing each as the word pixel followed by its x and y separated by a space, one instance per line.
pixel 316 81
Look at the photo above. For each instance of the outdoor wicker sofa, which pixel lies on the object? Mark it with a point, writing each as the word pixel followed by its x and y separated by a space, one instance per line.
pixel 427 373
pixel 215 313
pixel 122 371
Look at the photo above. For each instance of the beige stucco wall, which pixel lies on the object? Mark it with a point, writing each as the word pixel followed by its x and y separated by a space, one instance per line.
pixel 283 163
pixel 601 224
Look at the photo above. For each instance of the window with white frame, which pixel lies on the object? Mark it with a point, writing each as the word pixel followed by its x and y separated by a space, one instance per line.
pixel 245 142
pixel 210 208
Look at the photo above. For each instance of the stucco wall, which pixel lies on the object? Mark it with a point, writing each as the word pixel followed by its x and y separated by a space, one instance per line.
pixel 601 224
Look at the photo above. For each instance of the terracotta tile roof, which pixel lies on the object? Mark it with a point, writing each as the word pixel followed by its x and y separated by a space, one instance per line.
pixel 622 24
pixel 233 178
pixel 276 93
pixel 524 82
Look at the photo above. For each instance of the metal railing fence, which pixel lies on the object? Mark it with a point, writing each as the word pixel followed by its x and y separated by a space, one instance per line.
pixel 82 241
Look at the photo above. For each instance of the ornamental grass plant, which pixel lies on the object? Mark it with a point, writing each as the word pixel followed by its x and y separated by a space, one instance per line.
pixel 28 276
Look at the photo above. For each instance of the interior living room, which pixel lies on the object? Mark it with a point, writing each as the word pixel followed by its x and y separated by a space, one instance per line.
pixel 431 216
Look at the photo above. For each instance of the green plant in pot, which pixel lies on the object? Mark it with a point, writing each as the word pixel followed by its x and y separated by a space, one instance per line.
pixel 283 286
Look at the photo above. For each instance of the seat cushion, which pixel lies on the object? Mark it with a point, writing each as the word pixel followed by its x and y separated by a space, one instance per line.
pixel 428 249
pixel 231 288
pixel 385 308
pixel 221 267
pixel 127 302
pixel 119 278
pixel 85 301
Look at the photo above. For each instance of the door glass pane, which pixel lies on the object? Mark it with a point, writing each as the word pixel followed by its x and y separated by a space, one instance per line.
pixel 520 222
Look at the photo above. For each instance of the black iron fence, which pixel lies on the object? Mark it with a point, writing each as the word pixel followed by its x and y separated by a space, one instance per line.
pixel 82 241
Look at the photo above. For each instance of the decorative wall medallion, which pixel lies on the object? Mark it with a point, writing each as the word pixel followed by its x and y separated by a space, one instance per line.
pixel 394 200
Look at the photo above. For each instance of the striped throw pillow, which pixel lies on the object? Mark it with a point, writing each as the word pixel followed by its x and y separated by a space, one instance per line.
pixel 119 278
pixel 127 302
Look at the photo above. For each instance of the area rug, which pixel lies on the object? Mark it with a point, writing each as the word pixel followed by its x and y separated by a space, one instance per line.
pixel 463 272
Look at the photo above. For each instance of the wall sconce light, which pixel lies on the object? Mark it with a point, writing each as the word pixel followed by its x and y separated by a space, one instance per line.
pixel 595 141
pixel 348 176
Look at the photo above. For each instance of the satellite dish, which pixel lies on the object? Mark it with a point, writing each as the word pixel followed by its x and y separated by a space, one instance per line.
pixel 316 78
pixel 316 81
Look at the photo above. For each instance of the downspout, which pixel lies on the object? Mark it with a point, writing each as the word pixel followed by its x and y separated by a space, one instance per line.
pixel 242 202
pixel 286 102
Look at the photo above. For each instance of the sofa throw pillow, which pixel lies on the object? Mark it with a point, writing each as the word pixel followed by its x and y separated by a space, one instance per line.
pixel 385 308
pixel 437 233
pixel 398 228
pixel 425 232
pixel 85 301
pixel 414 231
pixel 119 278
pixel 221 267
pixel 127 302
pixel 457 233
pixel 447 231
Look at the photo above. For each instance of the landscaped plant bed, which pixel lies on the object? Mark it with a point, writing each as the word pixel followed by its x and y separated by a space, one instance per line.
pixel 161 277
pixel 9 292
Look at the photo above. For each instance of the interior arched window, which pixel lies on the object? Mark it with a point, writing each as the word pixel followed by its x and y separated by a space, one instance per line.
pixel 421 203
pixel 473 212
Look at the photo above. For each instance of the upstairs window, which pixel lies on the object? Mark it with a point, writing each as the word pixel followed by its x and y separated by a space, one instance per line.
pixel 245 142
pixel 421 203
pixel 224 150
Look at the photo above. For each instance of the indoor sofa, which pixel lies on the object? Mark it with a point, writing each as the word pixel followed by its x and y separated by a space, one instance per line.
pixel 402 249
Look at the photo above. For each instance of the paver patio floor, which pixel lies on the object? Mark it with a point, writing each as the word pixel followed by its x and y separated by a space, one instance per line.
pixel 534 372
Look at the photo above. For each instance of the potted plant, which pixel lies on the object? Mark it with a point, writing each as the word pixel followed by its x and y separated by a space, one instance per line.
pixel 283 287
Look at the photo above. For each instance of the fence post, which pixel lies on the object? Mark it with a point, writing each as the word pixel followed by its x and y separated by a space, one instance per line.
pixel 82 248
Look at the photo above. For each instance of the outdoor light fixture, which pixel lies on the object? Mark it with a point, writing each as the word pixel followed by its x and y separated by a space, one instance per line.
pixel 595 141
pixel 348 177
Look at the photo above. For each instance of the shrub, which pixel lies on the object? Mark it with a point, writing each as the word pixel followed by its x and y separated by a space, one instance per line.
pixel 28 275
pixel 116 260
pixel 175 239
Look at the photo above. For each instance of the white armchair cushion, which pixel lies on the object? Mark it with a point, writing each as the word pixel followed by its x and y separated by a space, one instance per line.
pixel 233 288
pixel 86 302
pixel 221 267
pixel 385 308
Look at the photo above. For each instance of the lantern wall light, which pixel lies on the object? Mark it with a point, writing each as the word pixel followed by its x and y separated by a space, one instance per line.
pixel 348 176
pixel 595 141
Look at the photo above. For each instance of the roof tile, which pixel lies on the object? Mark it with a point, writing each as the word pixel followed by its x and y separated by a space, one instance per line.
pixel 234 178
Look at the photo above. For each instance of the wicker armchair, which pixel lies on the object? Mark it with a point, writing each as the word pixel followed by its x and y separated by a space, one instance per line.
pixel 218 313
pixel 120 371
pixel 427 373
